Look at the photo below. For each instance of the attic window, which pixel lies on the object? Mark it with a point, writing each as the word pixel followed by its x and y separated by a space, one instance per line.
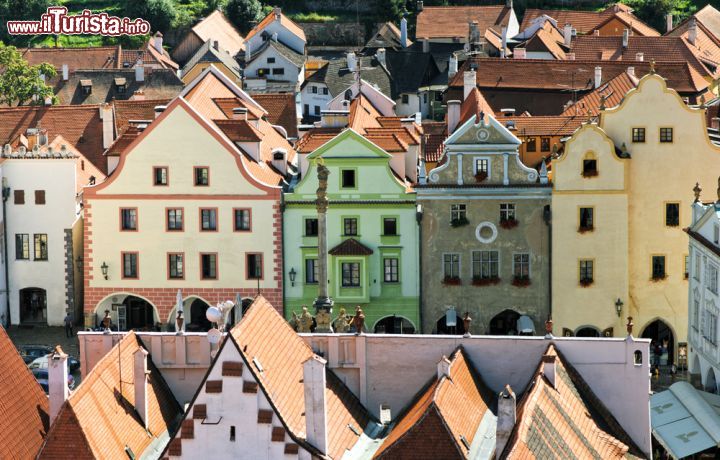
pixel 279 155
pixel 121 84
pixel 86 86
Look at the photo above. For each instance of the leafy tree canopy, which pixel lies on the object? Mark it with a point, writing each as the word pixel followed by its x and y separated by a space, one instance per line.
pixel 244 13
pixel 21 83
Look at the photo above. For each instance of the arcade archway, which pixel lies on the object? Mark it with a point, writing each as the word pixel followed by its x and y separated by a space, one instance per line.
pixel 587 331
pixel 662 346
pixel 394 325
pixel 504 323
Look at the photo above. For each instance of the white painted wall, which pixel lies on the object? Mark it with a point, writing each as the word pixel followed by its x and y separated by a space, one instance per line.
pixel 291 71
pixel 285 37
pixel 381 102
pixel 314 99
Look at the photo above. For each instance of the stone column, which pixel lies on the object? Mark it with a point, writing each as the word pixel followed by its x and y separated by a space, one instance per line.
pixel 323 303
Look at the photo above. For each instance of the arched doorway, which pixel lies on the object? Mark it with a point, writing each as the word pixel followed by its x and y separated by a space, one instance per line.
pixel 710 382
pixel 394 325
pixel 441 326
pixel 662 346
pixel 33 305
pixel 198 319
pixel 139 315
pixel 504 323
pixel 587 331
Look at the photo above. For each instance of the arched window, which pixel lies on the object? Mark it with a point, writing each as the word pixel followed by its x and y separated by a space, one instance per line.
pixel 590 165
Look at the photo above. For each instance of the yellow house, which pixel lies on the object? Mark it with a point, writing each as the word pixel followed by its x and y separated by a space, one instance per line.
pixel 210 53
pixel 622 191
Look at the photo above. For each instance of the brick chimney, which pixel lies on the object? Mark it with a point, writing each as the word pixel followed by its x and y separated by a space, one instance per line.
pixel 140 373
pixel 469 82
pixel 598 76
pixel 692 31
pixel 549 368
pixel 506 419
pixel 453 115
pixel 57 381
pixel 315 403
pixel 567 34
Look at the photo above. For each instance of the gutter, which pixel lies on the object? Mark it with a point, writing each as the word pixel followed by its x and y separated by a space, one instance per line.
pixel 547 217
pixel 418 217
pixel 5 196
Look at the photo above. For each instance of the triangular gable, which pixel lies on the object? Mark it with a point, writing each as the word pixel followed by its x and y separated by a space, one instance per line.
pixel 226 81
pixel 349 144
pixel 488 131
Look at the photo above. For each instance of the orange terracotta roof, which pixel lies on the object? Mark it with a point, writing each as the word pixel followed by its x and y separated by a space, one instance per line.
pixel 134 110
pixel 587 21
pixel 363 114
pixel 99 420
pixel 101 57
pixel 123 141
pixel 154 55
pixel 284 21
pixel 584 427
pixel 452 21
pixel 707 45
pixel 227 104
pixel 25 412
pixel 217 27
pixel 459 403
pixel 239 130
pixel 407 136
pixel 472 105
pixel 282 355
pixel 281 110
pixel 633 23
pixel 436 132
pixel 548 125
pixel 551 39
pixel 315 138
pixel 613 91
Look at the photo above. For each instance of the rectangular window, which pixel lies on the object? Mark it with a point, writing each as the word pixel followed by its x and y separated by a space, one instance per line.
pixel 208 266
pixel 711 278
pixel 485 264
pixel 271 60
pixel 39 196
pixel 586 219
pixel 544 144
pixel 696 270
pixel 348 178
pixel 390 226
pixel 405 98
pixel 242 220
pixel 232 427
pixel 587 272
pixel 638 134
pixel 160 175
pixel 130 265
pixel 19 196
pixel 22 246
pixel 350 226
pixel 711 332
pixel 590 168
pixel 350 274
pixel 325 91
pixel 451 265
pixel 176 266
pixel 481 165
pixel 391 270
pixel 202 176
pixel 672 214
pixel 696 314
pixel 208 219
pixel 666 134
pixel 507 211
pixel 254 266
pixel 658 267
pixel 317 110
pixel 531 144
pixel 175 220
pixel 313 89
pixel 311 271
pixel 521 266
pixel 128 219
pixel 311 227
pixel 41 246
pixel 686 265
pixel 278 71
pixel 457 212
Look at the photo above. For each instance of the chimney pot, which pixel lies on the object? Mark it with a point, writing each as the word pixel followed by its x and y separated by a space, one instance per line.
pixel 351 61
pixel 420 5
pixel 140 373
pixel 65 72
pixel 314 382
pixel 139 71
pixel 158 42
pixel 403 33
pixel 380 56
pixel 452 66
pixel 631 71
pixel 57 381
pixel 278 13
pixel 504 41
pixel 692 31
pixel 159 109
pixel 639 57
pixel 668 22
pixel 453 112
pixel 625 38
pixel 425 45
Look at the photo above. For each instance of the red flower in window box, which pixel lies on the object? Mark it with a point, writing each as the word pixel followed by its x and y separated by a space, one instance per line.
pixel 452 281
pixel 586 229
pixel 585 282
pixel 658 277
pixel 521 281
pixel 590 173
pixel 508 223
pixel 477 281
pixel 480 176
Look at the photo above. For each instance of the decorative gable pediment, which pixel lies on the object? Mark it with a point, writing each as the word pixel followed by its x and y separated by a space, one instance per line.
pixel 487 131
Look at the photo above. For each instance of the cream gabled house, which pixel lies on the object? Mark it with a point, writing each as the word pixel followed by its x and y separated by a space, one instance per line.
pixel 193 206
pixel 621 197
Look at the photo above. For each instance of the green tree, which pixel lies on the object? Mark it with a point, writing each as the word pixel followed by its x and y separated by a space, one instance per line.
pixel 18 10
pixel 243 13
pixel 161 14
pixel 20 82
pixel 653 12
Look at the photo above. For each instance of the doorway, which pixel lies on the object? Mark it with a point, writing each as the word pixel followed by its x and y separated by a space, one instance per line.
pixel 33 306
pixel 504 323
pixel 662 345
pixel 198 317
pixel 140 314
pixel 394 325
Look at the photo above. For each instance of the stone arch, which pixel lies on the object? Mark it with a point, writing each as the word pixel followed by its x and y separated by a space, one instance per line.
pixel 658 330
pixel 128 310
pixel 587 331
pixel 504 323
pixel 710 381
pixel 390 325
pixel 441 326
pixel 33 305
pixel 696 366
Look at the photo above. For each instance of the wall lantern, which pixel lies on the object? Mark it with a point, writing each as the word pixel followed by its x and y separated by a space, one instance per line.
pixel 292 274
pixel 618 306
pixel 104 267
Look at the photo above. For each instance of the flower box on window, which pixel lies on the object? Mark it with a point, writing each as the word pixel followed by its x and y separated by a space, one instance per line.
pixel 658 277
pixel 585 229
pixel 508 223
pixel 478 281
pixel 590 173
pixel 585 282
pixel 452 281
pixel 459 222
pixel 521 281
pixel 481 176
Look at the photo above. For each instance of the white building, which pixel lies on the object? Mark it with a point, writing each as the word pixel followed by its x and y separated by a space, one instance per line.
pixel 40 224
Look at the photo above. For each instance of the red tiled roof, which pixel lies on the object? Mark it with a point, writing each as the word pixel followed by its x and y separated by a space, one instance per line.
pixel 452 21
pixel 24 406
pixel 548 125
pixel 436 132
pixel 707 45
pixel 614 91
pixel 316 137
pixel 227 104
pixel 123 141
pixel 363 114
pixel 281 110
pixel 216 27
pixel 162 58
pixel 101 57
pixel 473 105
pixel 547 38
pixel 134 110
pixel 99 420
pixel 587 21
pixel 239 130
pixel 284 21
pixel 350 247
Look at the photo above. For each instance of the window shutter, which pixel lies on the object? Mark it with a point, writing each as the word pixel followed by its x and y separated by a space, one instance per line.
pixel 19 196
pixel 39 196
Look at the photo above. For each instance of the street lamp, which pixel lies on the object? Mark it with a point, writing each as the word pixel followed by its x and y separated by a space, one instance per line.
pixel 618 306
pixel 292 274
pixel 104 267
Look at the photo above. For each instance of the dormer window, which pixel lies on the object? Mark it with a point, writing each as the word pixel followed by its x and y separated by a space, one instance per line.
pixel 278 156
pixel 86 86
pixel 120 84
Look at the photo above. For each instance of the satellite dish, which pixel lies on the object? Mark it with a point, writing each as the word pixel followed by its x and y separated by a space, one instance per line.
pixel 214 315
pixel 214 336
pixel 228 304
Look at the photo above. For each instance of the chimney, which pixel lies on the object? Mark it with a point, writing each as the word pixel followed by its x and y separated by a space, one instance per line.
pixel 640 57
pixel 549 368
pixel 138 95
pixel 403 33
pixel 626 37
pixel 692 31
pixel 108 126
pixel 596 32
pixel 425 45
pixel 140 373
pixel 351 61
pixel 715 123
pixel 239 113
pixel 570 56
pixel 279 160
pixel 334 118
pixel 216 45
pixel 453 115
pixel 159 109
pixel 139 71
pixel 469 82
pixel 420 5
pixel 65 72
pixel 380 56
pixel 443 368
pixel 452 66
pixel 598 76
pixel 668 22
pixel 567 34
pixel 474 28
pixel 520 53
pixel 631 71
pixel 504 41
pixel 278 13
pixel 57 381
pixel 509 3
pixel 158 42
pixel 315 404
pixel 248 52
pixel 506 419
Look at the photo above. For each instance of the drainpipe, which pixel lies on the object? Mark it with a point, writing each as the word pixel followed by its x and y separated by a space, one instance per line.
pixel 5 196
pixel 418 217
pixel 282 249
pixel 547 217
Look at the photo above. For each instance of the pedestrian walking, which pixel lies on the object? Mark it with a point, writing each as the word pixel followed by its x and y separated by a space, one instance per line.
pixel 68 326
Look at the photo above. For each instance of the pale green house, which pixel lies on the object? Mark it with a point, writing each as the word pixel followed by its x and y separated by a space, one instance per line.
pixel 372 237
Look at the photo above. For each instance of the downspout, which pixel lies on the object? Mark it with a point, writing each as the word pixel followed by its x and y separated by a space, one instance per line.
pixel 282 249
pixel 5 196
pixel 547 217
pixel 418 217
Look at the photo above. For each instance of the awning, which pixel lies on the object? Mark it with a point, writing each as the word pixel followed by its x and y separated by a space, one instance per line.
pixel 525 325
pixel 685 420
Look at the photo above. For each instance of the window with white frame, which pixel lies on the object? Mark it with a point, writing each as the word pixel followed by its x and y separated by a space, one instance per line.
pixel 485 264
pixel 710 332
pixel 507 211
pixel 451 265
pixel 482 165
pixel 521 266
pixel 711 278
pixel 457 212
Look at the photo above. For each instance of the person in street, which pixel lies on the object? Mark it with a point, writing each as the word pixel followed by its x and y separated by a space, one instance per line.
pixel 68 326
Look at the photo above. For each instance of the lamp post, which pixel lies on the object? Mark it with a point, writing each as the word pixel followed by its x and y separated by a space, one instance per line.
pixel 292 275
pixel 618 306
pixel 323 303
pixel 104 268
